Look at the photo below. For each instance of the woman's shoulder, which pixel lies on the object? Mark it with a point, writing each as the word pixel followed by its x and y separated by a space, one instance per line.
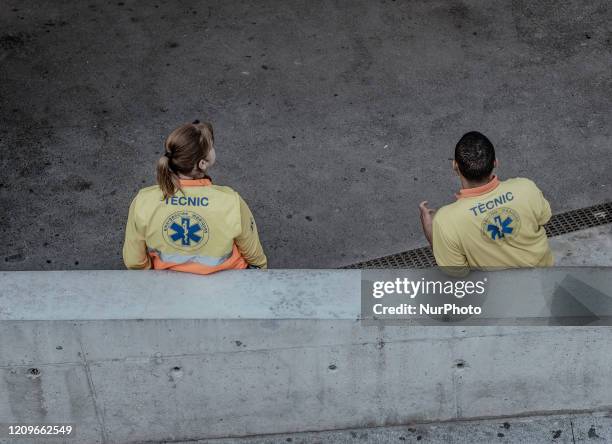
pixel 224 189
pixel 145 196
pixel 145 192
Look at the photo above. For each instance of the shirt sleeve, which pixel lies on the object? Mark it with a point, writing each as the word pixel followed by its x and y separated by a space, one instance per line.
pixel 135 255
pixel 447 252
pixel 248 239
pixel 542 207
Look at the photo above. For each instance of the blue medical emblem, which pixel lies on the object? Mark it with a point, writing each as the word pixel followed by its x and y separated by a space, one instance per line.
pixel 500 228
pixel 501 224
pixel 185 230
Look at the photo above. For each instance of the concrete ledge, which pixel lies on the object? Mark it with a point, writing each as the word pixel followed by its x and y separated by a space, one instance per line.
pixel 108 360
pixel 253 294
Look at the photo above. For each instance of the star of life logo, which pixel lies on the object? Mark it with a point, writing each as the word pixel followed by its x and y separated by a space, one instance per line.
pixel 501 224
pixel 185 230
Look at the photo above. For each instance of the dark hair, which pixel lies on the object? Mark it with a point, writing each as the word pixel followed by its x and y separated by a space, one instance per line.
pixel 475 156
pixel 184 148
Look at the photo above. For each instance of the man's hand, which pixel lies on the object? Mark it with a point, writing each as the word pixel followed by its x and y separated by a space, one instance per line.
pixel 427 215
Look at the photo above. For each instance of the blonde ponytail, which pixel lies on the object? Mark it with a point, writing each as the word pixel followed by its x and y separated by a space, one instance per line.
pixel 166 178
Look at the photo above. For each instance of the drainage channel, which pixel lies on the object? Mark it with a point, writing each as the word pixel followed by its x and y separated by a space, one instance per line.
pixel 559 224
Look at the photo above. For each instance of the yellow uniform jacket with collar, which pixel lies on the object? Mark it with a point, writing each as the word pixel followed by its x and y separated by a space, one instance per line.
pixel 497 225
pixel 202 229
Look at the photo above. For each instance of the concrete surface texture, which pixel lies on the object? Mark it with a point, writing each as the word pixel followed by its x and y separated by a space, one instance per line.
pixel 333 119
pixel 178 380
pixel 554 429
pixel 143 379
pixel 584 248
pixel 284 294
pixel 234 294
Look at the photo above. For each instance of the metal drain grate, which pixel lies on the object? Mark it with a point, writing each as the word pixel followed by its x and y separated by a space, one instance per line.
pixel 418 258
pixel 562 223
pixel 580 219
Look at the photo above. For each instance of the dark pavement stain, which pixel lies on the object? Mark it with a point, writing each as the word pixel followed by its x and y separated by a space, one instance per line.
pixel 13 41
pixel 83 185
pixel 18 257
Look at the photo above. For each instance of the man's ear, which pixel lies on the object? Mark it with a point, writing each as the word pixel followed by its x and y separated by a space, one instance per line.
pixel 496 164
pixel 203 164
pixel 456 167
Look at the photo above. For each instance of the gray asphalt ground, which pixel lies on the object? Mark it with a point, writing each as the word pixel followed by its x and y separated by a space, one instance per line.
pixel 557 429
pixel 333 119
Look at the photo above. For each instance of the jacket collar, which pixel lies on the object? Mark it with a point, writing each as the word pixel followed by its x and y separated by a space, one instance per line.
pixel 477 191
pixel 195 182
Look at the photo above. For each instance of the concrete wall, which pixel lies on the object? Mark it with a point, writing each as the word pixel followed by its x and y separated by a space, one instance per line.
pixel 137 356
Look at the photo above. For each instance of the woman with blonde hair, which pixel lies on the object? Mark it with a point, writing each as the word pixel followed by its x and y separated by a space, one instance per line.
pixel 185 223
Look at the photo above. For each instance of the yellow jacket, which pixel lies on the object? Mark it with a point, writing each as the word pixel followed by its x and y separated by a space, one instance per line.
pixel 500 224
pixel 202 229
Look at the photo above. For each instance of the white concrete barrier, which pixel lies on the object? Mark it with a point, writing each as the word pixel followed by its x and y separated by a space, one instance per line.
pixel 152 356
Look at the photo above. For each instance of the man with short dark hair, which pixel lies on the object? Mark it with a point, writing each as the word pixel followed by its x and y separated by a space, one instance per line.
pixel 493 223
